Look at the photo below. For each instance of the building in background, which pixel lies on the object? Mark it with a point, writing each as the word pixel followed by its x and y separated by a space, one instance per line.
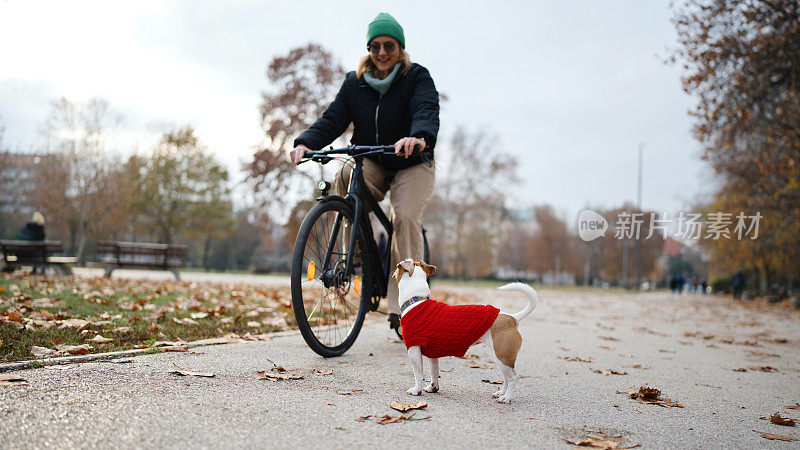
pixel 17 181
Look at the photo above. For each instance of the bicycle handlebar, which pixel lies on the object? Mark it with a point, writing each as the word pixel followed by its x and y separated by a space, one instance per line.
pixel 351 150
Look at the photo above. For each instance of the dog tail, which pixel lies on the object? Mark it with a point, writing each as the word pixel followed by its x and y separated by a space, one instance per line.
pixel 533 298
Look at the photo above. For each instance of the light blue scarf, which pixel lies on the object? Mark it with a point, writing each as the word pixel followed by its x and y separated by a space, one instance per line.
pixel 382 86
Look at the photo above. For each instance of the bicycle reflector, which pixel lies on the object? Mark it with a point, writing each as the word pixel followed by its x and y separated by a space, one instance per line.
pixel 357 284
pixel 311 271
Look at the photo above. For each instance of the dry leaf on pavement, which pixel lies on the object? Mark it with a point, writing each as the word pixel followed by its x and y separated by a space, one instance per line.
pixel 322 372
pixel 275 376
pixel 10 378
pixel 776 437
pixel 778 420
pixel 403 407
pixel 386 418
pixel 601 441
pixel 764 369
pixel 475 365
pixel 578 359
pixel 607 372
pixel 277 373
pixel 192 373
pixel 795 406
pixel 492 382
pixel 650 395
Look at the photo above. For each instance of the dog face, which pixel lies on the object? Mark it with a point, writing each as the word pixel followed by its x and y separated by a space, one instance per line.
pixel 414 270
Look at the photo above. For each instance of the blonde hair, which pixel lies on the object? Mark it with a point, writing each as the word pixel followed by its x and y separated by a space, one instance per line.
pixel 38 218
pixel 365 64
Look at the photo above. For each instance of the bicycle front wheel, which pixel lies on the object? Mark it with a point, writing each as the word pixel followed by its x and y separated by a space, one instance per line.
pixel 329 302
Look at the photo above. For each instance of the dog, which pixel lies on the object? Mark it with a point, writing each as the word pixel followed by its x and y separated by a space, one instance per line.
pixel 434 329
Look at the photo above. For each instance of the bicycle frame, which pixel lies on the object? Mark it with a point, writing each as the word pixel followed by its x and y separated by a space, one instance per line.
pixel 358 193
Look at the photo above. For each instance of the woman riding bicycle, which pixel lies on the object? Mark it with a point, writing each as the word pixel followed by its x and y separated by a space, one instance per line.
pixel 389 100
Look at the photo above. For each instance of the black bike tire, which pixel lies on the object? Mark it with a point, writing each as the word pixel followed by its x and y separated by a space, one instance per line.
pixel 297 276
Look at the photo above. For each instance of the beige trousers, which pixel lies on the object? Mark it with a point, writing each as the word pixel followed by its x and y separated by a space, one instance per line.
pixel 411 189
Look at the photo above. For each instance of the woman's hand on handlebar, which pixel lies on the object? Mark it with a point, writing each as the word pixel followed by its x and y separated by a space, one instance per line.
pixel 297 153
pixel 405 147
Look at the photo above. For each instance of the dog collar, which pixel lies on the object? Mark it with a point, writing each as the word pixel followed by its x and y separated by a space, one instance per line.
pixel 411 301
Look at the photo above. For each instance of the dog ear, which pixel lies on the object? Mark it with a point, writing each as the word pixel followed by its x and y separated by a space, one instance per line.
pixel 404 266
pixel 427 268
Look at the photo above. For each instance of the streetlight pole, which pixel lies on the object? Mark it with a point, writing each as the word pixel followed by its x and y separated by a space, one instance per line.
pixel 639 209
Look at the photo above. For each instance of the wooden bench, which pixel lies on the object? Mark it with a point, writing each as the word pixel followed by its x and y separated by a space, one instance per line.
pixel 35 254
pixel 142 255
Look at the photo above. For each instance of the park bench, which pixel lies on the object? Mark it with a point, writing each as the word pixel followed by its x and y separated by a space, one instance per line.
pixel 36 254
pixel 142 255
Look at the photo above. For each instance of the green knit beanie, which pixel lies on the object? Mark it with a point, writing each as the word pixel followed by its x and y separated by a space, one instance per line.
pixel 385 25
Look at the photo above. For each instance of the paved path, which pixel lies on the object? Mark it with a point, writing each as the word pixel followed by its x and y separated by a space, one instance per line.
pixel 690 344
pixel 212 277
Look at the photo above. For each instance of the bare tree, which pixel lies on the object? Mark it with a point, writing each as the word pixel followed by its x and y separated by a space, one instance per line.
pixel 77 186
pixel 467 207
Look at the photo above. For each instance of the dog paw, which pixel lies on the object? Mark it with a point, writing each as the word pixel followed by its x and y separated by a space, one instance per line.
pixel 498 393
pixel 431 388
pixel 414 391
pixel 504 399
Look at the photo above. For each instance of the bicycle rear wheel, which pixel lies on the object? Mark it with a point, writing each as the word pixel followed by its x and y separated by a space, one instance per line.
pixel 330 304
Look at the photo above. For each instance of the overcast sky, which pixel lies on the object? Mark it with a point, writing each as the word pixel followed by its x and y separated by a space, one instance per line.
pixel 570 88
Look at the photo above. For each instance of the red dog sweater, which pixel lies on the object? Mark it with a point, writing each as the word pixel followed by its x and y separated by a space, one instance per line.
pixel 444 330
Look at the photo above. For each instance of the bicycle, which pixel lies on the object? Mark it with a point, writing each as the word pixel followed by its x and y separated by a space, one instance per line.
pixel 339 272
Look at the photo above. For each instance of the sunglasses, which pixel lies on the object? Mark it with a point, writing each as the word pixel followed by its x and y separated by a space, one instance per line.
pixel 375 47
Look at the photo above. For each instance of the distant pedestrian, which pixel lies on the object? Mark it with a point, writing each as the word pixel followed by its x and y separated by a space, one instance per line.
pixel 704 286
pixel 32 231
pixel 737 283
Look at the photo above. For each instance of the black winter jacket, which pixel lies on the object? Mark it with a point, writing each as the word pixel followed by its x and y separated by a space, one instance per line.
pixel 409 108
pixel 32 231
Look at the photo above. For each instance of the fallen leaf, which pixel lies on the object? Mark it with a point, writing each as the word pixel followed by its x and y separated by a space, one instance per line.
pixel 386 418
pixel 764 369
pixel 173 348
pixel 42 351
pixel 778 420
pixel 639 366
pixel 650 395
pixel 492 382
pixel 364 418
pixel 322 372
pixel 776 437
pixel 192 373
pixel 277 373
pixel 344 392
pixel 152 328
pixel 578 359
pixel 10 378
pixel 73 323
pixel 198 315
pixel 608 338
pixel 740 369
pixel 100 339
pixel 475 365
pixel 795 406
pixel 74 349
pixel 403 407
pixel 606 347
pixel 607 372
